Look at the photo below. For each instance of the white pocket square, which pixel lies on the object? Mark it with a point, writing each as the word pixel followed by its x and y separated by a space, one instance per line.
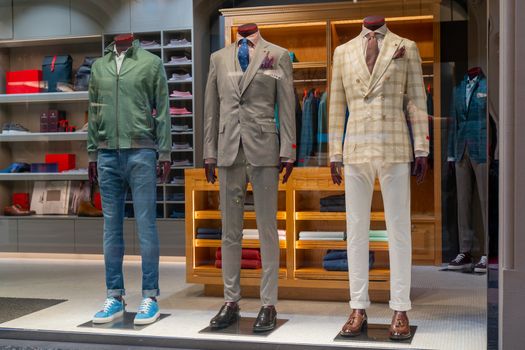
pixel 481 95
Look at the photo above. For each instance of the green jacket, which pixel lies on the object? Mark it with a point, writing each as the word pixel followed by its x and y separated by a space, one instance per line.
pixel 120 105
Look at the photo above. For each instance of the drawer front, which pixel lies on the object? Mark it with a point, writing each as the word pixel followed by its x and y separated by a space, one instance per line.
pixel 423 242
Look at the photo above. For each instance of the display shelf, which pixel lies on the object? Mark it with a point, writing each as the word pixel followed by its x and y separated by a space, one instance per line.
pixel 333 216
pixel 317 273
pixel 181 98
pixel 182 133
pixel 63 40
pixel 216 215
pixel 181 115
pixel 246 243
pixel 45 97
pixel 309 65
pixel 44 137
pixel 178 64
pixel 374 246
pixel 181 150
pixel 212 271
pixel 174 202
pixel 43 177
pixel 173 48
pixel 180 81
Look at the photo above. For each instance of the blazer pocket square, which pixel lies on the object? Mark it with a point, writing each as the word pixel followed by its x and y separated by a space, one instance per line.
pixel 400 53
pixel 481 95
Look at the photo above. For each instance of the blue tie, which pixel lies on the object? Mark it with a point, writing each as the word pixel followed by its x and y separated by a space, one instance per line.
pixel 244 54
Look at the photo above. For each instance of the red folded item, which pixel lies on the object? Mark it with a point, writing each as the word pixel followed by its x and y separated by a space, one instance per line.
pixel 66 161
pixel 22 199
pixel 245 264
pixel 97 200
pixel 247 254
pixel 23 81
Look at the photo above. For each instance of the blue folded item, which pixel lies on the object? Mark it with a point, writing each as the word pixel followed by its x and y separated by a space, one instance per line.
pixel 16 168
pixel 209 230
pixel 338 262
pixel 208 236
pixel 335 255
pixel 176 197
pixel 177 215
pixel 336 265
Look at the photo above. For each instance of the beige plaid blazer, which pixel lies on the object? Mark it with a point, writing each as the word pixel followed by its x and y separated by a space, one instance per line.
pixel 377 127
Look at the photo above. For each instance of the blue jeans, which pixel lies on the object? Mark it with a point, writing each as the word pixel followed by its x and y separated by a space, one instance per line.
pixel 117 170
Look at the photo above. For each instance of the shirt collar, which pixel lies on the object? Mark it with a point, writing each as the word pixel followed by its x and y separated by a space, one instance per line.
pixel 382 31
pixel 123 53
pixel 253 39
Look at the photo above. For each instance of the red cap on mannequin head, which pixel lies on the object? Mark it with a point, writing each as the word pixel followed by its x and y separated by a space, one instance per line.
pixel 248 29
pixel 374 22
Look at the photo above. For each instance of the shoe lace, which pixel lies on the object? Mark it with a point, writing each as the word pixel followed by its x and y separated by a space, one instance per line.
pixel 145 306
pixel 483 260
pixel 458 258
pixel 108 304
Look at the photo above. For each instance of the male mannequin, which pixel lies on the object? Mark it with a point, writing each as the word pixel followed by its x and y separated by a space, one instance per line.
pixel 371 75
pixel 246 80
pixel 123 136
pixel 467 151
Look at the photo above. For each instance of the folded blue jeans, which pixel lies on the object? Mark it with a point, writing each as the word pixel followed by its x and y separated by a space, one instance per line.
pixel 118 169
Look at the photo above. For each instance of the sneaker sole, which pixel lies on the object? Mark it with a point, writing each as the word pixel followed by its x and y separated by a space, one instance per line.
pixel 144 321
pixel 459 267
pixel 108 319
pixel 480 270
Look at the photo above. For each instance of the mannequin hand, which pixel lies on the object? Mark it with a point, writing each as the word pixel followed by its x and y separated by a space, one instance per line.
pixel 92 173
pixel 420 169
pixel 209 170
pixel 289 168
pixel 335 171
pixel 163 171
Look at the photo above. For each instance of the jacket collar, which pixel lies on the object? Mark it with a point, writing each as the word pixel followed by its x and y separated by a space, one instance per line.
pixel 129 52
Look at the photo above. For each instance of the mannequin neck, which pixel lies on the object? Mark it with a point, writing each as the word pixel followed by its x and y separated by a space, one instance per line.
pixel 374 22
pixel 123 42
pixel 247 29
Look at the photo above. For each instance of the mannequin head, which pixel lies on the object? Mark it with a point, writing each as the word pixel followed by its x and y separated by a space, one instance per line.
pixel 247 29
pixel 374 22
pixel 474 72
pixel 123 42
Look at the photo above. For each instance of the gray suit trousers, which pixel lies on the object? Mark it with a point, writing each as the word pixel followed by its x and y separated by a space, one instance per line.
pixel 232 186
pixel 469 174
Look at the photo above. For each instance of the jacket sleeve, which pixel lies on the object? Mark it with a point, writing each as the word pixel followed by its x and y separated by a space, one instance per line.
pixel 163 119
pixel 92 141
pixel 286 104
pixel 451 154
pixel 211 114
pixel 417 99
pixel 337 108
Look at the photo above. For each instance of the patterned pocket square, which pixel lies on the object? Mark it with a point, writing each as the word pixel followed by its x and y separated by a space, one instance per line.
pixel 400 53
pixel 267 62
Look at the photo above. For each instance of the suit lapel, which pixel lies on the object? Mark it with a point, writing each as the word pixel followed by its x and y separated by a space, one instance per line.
pixel 255 63
pixel 356 50
pixel 390 45
pixel 474 89
pixel 232 70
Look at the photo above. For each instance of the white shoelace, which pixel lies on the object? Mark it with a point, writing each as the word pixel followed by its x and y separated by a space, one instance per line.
pixel 108 304
pixel 458 258
pixel 483 260
pixel 145 306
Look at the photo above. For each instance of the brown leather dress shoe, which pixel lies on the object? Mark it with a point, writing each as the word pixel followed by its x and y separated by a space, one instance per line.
pixel 16 210
pixel 400 327
pixel 87 209
pixel 355 324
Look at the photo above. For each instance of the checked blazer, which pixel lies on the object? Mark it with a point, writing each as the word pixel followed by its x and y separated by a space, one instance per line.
pixel 377 127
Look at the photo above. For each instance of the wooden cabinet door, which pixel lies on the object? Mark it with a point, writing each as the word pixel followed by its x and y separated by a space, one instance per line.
pixel 423 242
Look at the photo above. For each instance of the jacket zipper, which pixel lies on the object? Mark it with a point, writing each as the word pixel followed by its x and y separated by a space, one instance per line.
pixel 116 101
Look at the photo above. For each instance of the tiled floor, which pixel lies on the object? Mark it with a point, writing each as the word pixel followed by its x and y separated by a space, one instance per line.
pixel 448 308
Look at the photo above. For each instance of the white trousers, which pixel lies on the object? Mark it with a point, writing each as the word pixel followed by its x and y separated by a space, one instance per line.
pixel 395 188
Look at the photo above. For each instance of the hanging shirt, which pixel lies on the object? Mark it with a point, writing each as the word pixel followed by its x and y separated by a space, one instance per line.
pixel 119 58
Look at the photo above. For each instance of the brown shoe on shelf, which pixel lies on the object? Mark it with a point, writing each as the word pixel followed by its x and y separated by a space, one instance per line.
pixel 16 210
pixel 400 327
pixel 355 324
pixel 86 208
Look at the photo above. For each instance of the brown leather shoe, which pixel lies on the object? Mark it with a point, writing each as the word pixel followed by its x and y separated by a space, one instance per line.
pixel 400 328
pixel 355 324
pixel 16 210
pixel 86 208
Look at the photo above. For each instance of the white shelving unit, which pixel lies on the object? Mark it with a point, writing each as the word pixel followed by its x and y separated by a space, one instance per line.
pixel 45 97
pixel 44 137
pixel 44 177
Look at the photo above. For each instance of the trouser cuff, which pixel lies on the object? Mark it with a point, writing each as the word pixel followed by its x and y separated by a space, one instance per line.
pixel 112 293
pixel 359 304
pixel 150 293
pixel 400 306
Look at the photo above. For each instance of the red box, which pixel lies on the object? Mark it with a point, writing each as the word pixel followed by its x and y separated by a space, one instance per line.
pixel 23 82
pixel 22 199
pixel 66 161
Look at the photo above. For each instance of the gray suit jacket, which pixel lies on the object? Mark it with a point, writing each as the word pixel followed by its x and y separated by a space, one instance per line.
pixel 242 106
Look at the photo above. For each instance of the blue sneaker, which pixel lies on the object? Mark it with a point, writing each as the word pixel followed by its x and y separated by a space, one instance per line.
pixel 113 309
pixel 148 312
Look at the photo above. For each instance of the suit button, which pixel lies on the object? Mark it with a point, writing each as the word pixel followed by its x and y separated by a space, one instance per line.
pixel 357 81
pixel 383 98
pixel 366 98
pixel 384 116
pixel 241 102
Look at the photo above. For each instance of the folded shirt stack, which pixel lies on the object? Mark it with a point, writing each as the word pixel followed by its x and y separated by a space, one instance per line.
pixel 378 236
pixel 249 203
pixel 180 128
pixel 181 94
pixel 179 60
pixel 250 259
pixel 180 146
pixel 181 163
pixel 178 42
pixel 175 197
pixel 322 236
pixel 177 180
pixel 180 77
pixel 209 233
pixel 337 260
pixel 254 234
pixel 335 203
pixel 177 215
pixel 149 44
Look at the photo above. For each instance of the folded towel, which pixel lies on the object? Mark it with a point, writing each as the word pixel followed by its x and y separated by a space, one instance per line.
pixel 342 264
pixel 334 254
pixel 208 236
pixel 378 233
pixel 378 239
pixel 254 232
pixel 209 230
pixel 247 254
pixel 245 264
pixel 321 235
pixel 338 199
pixel 321 239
